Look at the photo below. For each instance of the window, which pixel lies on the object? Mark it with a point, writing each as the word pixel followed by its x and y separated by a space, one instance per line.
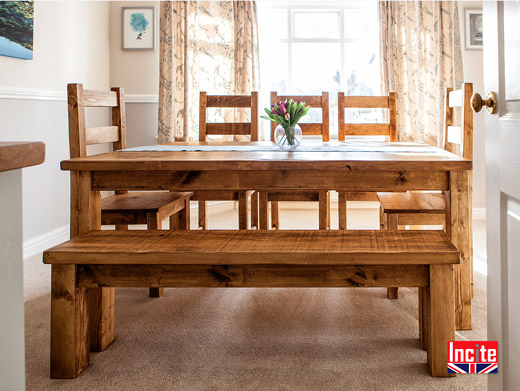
pixel 313 47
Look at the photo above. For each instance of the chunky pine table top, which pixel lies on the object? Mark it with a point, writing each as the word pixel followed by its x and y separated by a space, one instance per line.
pixel 267 156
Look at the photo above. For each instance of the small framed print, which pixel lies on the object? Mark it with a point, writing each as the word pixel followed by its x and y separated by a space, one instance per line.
pixel 138 28
pixel 473 29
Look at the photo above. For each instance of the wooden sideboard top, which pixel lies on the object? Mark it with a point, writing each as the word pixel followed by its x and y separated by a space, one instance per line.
pixel 14 155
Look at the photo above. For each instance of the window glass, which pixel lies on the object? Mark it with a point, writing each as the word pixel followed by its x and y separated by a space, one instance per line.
pixel 315 24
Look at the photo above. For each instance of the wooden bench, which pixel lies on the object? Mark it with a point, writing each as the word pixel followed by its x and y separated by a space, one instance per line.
pixel 421 259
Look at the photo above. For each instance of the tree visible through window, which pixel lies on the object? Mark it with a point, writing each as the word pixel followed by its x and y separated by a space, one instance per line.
pixel 313 47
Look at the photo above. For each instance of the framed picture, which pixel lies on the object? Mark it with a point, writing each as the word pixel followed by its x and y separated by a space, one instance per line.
pixel 16 29
pixel 138 28
pixel 473 28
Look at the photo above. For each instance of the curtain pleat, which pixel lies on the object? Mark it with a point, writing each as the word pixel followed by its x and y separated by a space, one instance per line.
pixel 420 57
pixel 205 46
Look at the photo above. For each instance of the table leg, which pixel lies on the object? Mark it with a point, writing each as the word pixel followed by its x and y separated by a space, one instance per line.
pixel 86 216
pixel 459 231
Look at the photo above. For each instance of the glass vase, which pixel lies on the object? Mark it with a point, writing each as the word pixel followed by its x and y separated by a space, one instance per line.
pixel 288 138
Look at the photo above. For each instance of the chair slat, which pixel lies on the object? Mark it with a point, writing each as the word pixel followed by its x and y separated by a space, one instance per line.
pixel 228 101
pixel 93 98
pixel 311 100
pixel 366 102
pixel 101 134
pixel 221 128
pixel 367 129
pixel 311 129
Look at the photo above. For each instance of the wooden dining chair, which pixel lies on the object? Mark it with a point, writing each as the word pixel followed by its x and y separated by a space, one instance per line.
pixel 221 129
pixel 308 129
pixel 399 210
pixel 388 129
pixel 123 208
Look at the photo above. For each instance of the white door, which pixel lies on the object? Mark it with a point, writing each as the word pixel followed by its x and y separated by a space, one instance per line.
pixel 501 75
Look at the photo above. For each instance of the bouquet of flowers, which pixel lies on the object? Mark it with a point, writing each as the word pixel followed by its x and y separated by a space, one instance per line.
pixel 286 114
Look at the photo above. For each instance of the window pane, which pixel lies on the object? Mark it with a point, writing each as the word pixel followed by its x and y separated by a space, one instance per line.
pixel 315 24
pixel 361 23
pixel 362 73
pixel 315 68
pixel 275 20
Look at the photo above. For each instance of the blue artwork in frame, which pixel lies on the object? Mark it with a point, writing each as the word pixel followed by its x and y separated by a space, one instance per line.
pixel 138 28
pixel 16 29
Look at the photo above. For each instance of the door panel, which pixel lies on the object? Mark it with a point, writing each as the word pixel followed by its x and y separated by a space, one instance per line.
pixel 501 59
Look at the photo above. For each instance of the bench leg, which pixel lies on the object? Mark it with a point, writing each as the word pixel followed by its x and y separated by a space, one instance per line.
pixel 441 318
pixel 101 303
pixel 275 216
pixel 254 210
pixel 69 324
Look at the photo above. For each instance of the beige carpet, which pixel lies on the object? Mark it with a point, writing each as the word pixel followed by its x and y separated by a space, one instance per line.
pixel 254 339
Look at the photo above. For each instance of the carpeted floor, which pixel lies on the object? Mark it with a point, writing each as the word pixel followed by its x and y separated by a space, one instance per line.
pixel 256 339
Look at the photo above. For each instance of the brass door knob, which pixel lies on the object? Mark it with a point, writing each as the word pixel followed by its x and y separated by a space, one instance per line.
pixel 490 102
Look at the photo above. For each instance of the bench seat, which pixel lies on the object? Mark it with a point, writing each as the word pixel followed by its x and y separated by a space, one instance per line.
pixel 102 259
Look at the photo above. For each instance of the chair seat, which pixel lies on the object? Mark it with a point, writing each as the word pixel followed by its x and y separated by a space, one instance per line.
pixel 294 196
pixel 142 202
pixel 427 203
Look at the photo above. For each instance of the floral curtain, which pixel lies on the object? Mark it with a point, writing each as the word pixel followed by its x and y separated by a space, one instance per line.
pixel 204 46
pixel 420 57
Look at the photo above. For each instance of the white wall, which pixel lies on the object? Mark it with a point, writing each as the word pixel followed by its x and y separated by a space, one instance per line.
pixel 474 73
pixel 138 73
pixel 33 101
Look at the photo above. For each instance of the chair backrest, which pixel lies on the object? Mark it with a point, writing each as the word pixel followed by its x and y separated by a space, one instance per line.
pixel 228 128
pixel 81 136
pixel 314 101
pixel 459 139
pixel 370 129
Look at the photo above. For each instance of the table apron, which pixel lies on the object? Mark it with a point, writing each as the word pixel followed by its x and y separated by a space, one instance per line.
pixel 271 180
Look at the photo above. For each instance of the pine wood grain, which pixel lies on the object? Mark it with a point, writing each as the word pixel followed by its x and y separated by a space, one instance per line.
pixel 15 155
pixel 69 324
pixel 429 203
pixel 253 276
pixel 273 180
pixel 254 247
pixel 441 319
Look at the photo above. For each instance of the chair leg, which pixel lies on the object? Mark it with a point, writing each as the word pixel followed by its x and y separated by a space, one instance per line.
pixel 342 210
pixel 393 292
pixel 275 216
pixel 155 224
pixel 203 219
pixel 328 210
pixel 254 210
pixel 263 207
pixel 243 210
pixel 185 216
pixel 323 210
pixel 441 318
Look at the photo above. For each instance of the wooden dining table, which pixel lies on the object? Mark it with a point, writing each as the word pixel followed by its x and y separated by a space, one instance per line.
pixel 262 166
